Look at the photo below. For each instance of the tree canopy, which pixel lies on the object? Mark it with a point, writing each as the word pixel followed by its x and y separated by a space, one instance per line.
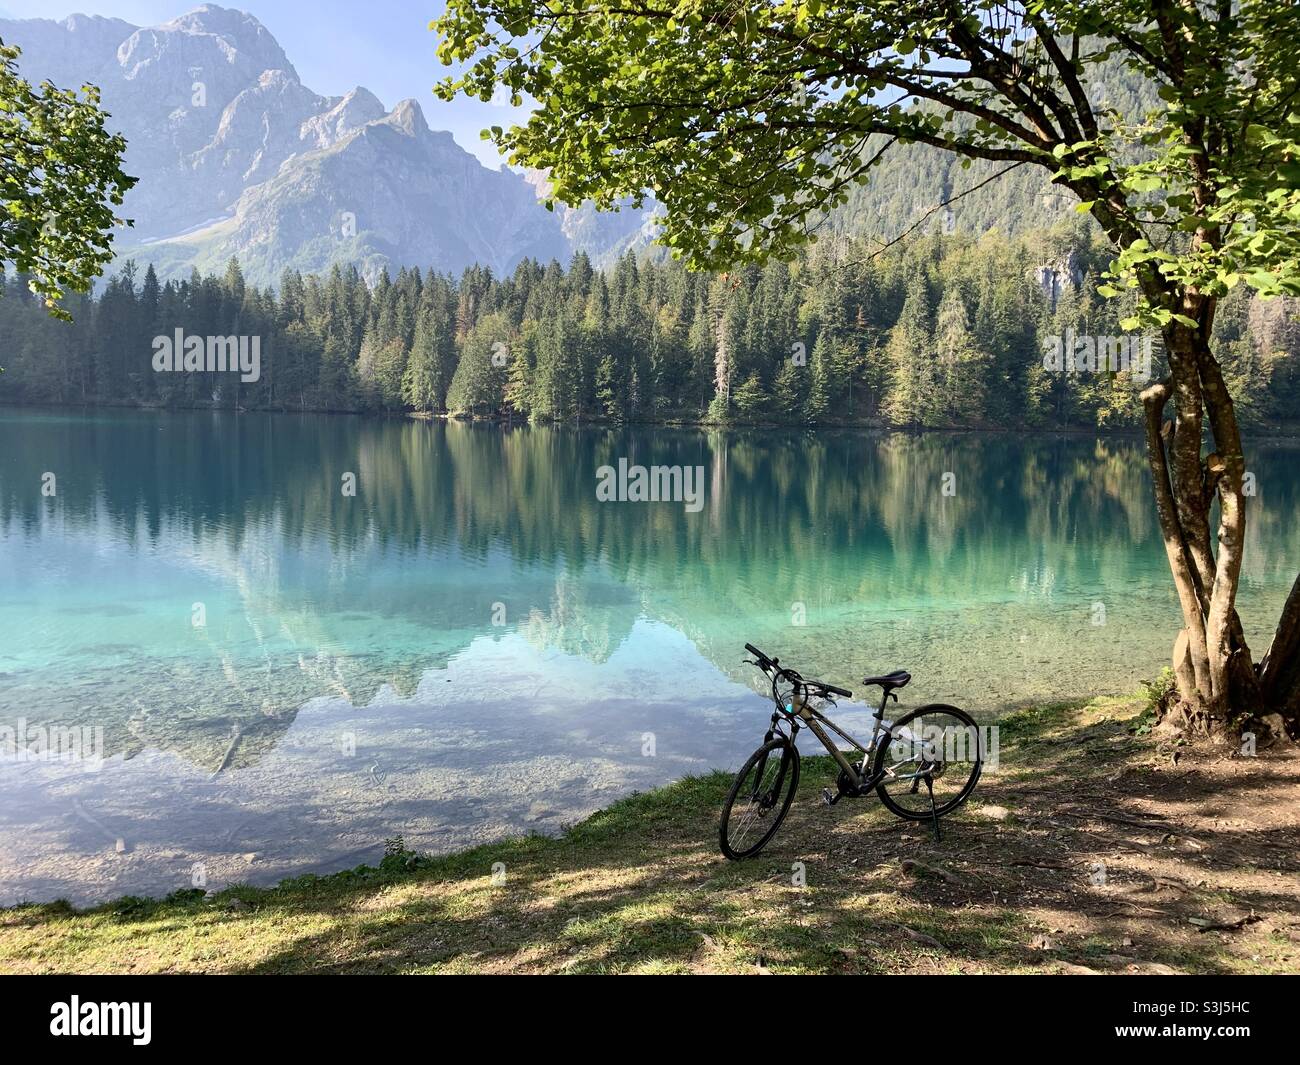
pixel 749 122
pixel 60 178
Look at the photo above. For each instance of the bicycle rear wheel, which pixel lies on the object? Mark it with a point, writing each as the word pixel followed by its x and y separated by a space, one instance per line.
pixel 936 743
pixel 759 799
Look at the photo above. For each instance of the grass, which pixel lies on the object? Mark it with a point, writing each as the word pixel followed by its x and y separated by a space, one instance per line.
pixel 641 887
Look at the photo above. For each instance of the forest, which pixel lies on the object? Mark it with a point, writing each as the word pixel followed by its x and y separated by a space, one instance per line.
pixel 943 330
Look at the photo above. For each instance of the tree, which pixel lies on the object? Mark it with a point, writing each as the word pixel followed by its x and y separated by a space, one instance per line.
pixel 422 384
pixel 817 404
pixel 60 177
pixel 479 381
pixel 913 373
pixel 787 390
pixel 960 385
pixel 747 125
pixel 749 399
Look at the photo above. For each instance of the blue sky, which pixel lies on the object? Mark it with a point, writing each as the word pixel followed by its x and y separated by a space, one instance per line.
pixel 335 45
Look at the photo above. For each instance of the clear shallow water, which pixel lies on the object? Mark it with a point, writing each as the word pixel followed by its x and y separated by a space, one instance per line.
pixel 474 646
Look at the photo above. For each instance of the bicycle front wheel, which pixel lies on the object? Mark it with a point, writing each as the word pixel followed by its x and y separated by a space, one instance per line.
pixel 934 745
pixel 759 799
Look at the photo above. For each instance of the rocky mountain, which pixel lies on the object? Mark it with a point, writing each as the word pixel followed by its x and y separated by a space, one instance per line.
pixel 237 157
pixel 604 235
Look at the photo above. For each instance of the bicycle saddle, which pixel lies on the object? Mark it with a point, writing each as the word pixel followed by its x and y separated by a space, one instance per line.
pixel 896 679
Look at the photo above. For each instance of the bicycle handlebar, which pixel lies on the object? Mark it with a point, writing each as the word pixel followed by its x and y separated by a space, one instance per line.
pixel 765 663
pixel 830 688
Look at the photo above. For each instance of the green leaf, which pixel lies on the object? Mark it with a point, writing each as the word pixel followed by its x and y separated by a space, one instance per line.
pixel 1143 183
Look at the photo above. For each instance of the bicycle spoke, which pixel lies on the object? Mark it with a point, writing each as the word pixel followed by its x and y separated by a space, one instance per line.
pixel 761 796
pixel 747 821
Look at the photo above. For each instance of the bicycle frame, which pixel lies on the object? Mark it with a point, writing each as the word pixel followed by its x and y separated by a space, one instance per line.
pixel 813 719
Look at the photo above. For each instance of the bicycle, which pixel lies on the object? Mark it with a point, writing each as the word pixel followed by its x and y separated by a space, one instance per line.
pixel 924 746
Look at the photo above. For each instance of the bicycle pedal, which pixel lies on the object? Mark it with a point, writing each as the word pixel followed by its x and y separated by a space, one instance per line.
pixel 829 797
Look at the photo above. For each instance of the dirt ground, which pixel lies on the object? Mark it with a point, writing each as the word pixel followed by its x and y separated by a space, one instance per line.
pixel 1118 850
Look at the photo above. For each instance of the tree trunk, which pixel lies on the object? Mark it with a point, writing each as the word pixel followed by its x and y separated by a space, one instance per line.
pixel 1184 673
pixel 1279 672
pixel 1216 679
pixel 1191 656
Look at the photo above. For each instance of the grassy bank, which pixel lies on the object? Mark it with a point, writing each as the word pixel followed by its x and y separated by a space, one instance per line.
pixel 1089 849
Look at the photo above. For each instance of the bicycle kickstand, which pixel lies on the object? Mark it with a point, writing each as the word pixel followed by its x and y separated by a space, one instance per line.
pixel 934 813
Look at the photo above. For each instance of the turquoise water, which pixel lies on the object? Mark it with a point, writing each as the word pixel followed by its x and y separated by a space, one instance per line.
pixel 282 674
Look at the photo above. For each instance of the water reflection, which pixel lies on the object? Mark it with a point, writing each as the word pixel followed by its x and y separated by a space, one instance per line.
pixel 473 643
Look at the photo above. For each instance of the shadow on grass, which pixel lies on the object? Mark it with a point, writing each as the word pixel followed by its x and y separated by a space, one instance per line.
pixel 1076 871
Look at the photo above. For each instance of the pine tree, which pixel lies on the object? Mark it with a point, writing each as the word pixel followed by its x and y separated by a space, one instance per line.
pixel 959 381
pixel 422 387
pixel 788 391
pixel 817 403
pixel 749 399
pixel 478 386
pixel 911 359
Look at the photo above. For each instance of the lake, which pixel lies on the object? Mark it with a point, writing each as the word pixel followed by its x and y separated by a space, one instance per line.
pixel 266 643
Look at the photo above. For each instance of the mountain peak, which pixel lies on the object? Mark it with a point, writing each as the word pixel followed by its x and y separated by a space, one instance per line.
pixel 358 107
pixel 78 23
pixel 212 18
pixel 237 34
pixel 346 113
pixel 409 118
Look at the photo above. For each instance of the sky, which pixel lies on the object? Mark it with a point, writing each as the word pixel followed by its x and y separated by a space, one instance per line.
pixel 335 45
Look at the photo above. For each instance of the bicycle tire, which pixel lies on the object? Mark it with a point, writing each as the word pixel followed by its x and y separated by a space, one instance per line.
pixel 963 794
pixel 787 780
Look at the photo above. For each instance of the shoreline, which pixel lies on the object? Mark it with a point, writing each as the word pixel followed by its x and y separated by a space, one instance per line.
pixel 1267 434
pixel 640 887
pixel 151 866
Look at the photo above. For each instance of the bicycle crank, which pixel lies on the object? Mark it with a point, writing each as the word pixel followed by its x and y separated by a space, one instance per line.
pixel 843 787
